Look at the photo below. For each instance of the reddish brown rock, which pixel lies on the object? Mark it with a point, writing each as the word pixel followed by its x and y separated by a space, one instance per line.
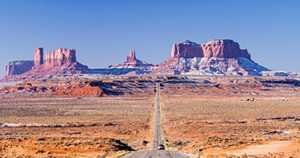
pixel 60 57
pixel 38 57
pixel 62 61
pixel 214 48
pixel 87 91
pixel 216 57
pixel 18 67
pixel 186 49
pixel 132 62
pixel 59 61
pixel 131 58
pixel 224 49
pixel 78 91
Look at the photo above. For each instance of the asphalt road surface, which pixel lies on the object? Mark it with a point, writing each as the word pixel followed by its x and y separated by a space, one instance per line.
pixel 156 154
pixel 158 147
pixel 156 132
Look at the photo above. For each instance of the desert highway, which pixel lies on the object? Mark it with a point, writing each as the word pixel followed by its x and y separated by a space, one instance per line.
pixel 158 149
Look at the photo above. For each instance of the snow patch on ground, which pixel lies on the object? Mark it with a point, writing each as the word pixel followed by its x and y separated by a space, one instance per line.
pixel 251 67
pixel 279 73
pixel 218 66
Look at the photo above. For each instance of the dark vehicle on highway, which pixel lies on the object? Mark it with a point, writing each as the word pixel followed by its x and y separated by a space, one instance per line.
pixel 161 147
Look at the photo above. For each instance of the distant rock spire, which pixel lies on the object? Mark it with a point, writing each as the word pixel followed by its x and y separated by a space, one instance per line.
pixel 132 62
pixel 131 57
pixel 38 57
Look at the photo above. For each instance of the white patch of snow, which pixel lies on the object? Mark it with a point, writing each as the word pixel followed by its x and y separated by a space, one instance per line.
pixel 251 67
pixel 218 66
pixel 278 73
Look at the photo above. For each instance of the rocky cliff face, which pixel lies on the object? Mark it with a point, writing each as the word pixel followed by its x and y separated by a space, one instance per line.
pixel 186 49
pixel 213 48
pixel 60 57
pixel 131 58
pixel 132 62
pixel 59 61
pixel 18 67
pixel 224 49
pixel 38 57
pixel 131 66
pixel 216 57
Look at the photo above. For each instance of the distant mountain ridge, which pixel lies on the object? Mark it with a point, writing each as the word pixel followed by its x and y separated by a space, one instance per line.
pixel 215 57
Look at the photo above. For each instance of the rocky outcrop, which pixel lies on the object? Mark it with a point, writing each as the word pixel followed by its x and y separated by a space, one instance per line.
pixel 186 49
pixel 78 90
pixel 132 62
pixel 59 61
pixel 216 57
pixel 224 49
pixel 38 57
pixel 212 49
pixel 18 67
pixel 131 66
pixel 219 66
pixel 60 57
pixel 131 58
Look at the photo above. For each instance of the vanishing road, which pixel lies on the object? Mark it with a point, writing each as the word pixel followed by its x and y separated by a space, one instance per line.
pixel 158 150
pixel 156 132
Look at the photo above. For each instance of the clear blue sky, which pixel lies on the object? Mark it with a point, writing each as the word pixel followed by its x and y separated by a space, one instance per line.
pixel 103 31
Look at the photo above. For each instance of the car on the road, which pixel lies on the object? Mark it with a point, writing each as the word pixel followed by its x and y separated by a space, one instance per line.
pixel 161 147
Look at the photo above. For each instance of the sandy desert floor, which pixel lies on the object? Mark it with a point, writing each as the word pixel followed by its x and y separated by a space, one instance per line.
pixel 73 127
pixel 232 126
pixel 232 119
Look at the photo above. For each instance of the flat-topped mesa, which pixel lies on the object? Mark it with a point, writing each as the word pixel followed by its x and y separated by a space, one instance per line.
pixel 18 67
pixel 224 49
pixel 186 49
pixel 60 57
pixel 220 48
pixel 215 57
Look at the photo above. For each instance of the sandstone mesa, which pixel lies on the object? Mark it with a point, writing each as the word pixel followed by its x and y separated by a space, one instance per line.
pixel 215 57
pixel 214 48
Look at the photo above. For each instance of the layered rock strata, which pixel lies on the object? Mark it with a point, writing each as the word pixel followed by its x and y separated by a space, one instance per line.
pixel 216 57
pixel 18 67
pixel 59 61
pixel 214 48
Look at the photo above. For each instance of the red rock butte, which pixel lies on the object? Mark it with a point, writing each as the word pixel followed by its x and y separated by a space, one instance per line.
pixel 54 58
pixel 38 56
pixel 214 48
pixel 215 57
pixel 59 61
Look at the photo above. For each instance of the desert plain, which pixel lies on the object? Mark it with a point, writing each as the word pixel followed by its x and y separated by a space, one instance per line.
pixel 202 117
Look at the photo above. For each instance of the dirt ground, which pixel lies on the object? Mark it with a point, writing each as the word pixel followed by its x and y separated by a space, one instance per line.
pixel 73 127
pixel 232 126
pixel 208 117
